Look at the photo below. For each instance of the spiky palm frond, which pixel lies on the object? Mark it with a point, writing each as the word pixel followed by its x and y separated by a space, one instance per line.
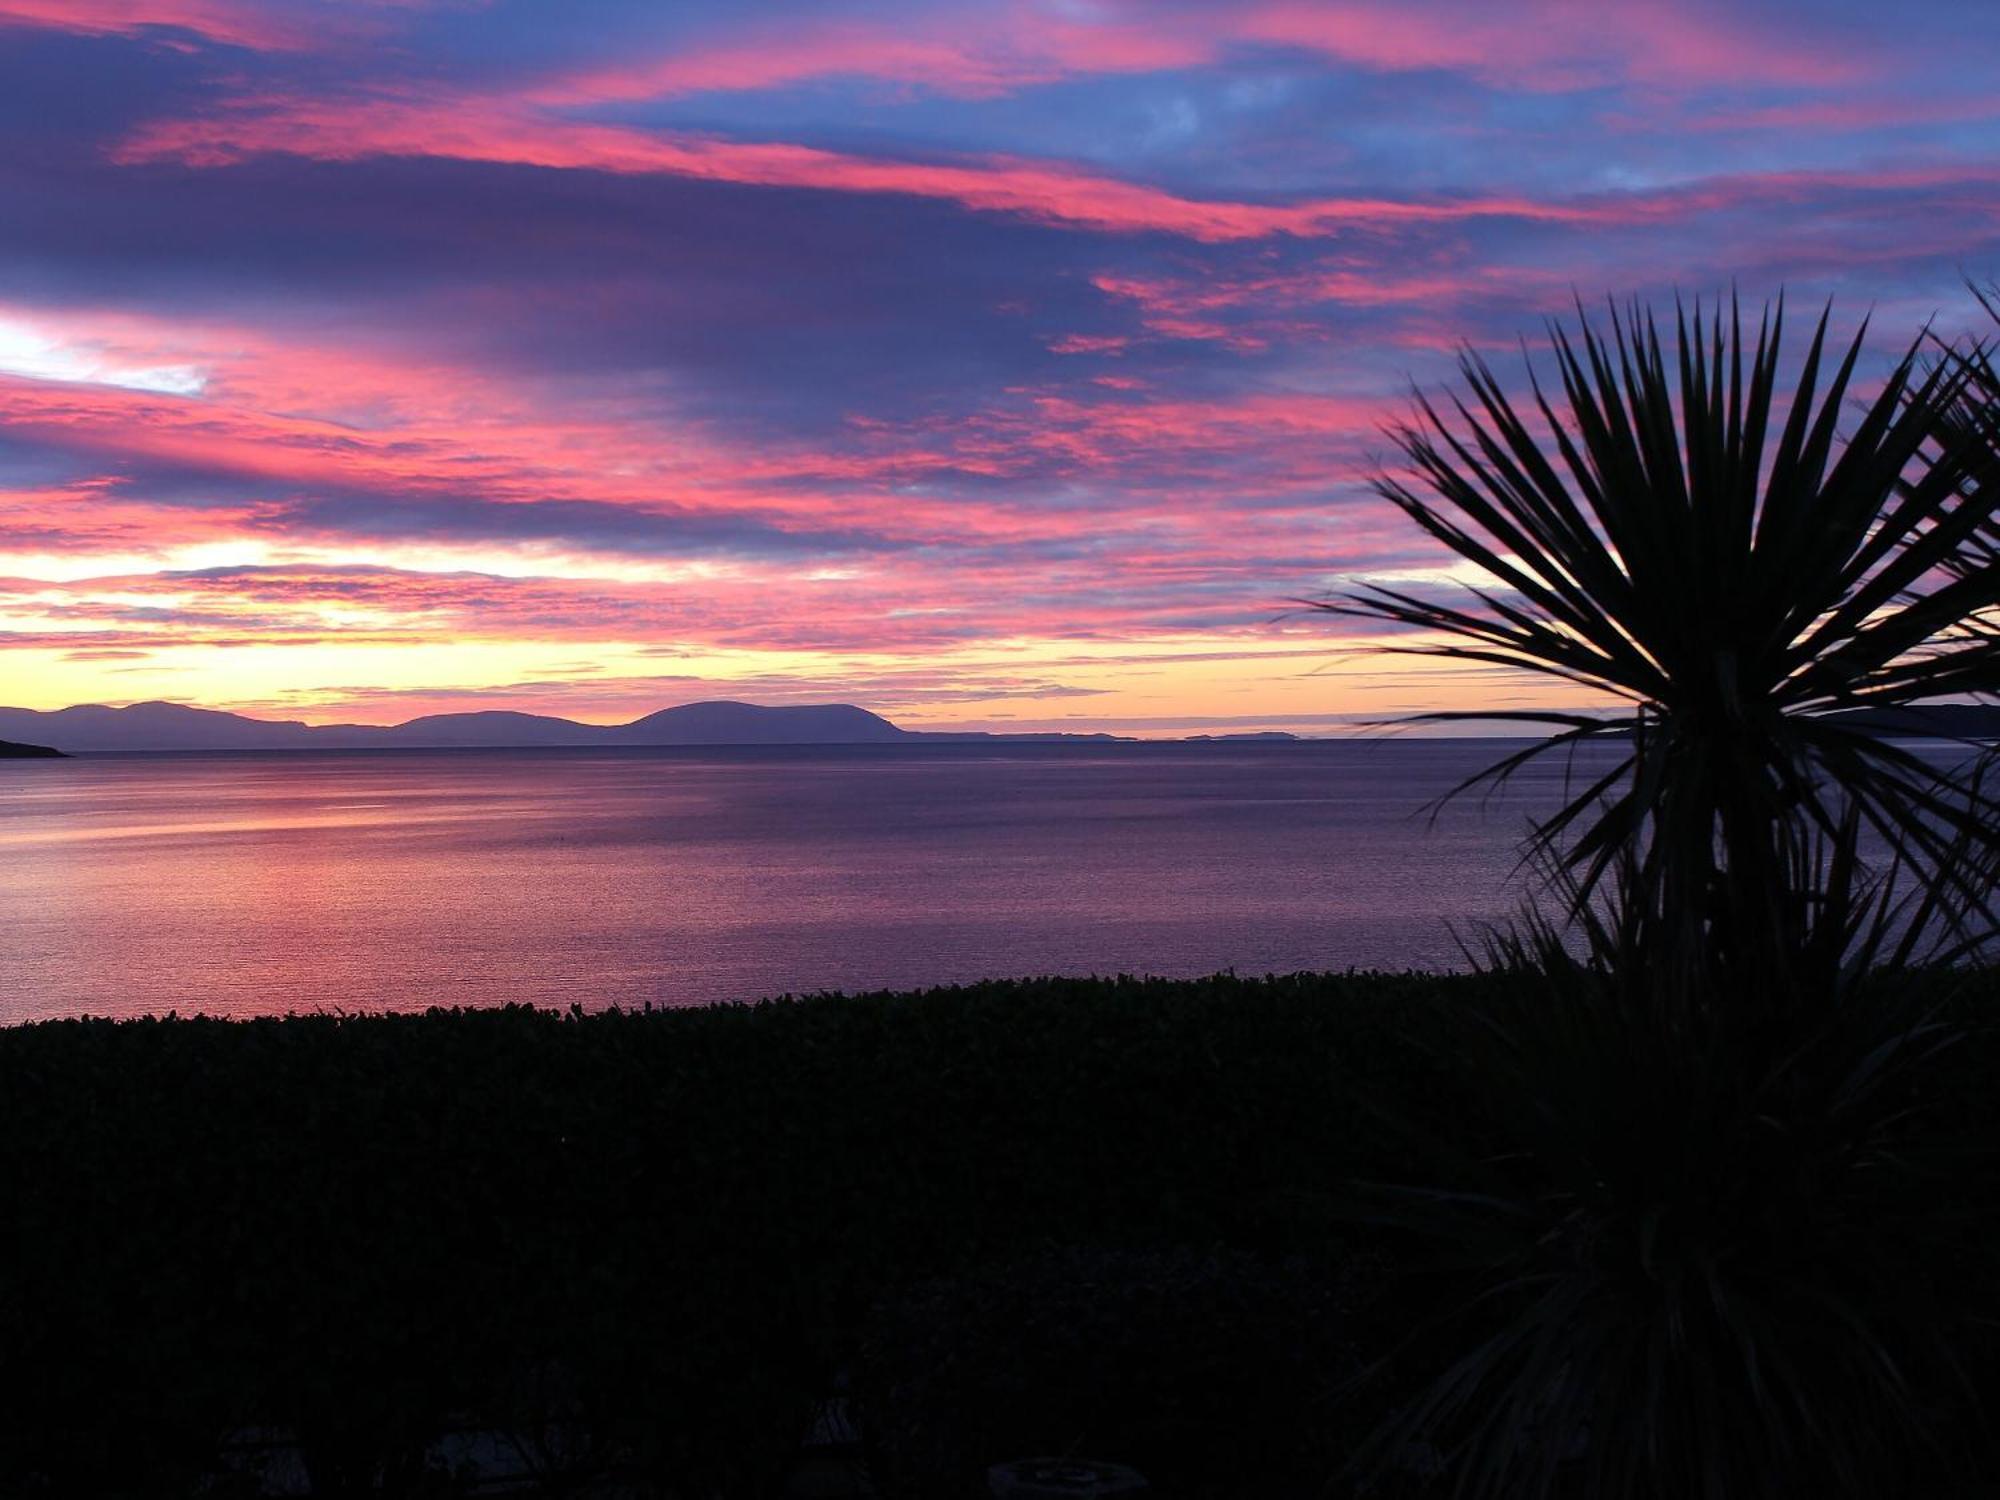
pixel 1680 533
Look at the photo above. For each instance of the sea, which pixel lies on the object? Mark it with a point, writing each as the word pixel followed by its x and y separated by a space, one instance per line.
pixel 359 881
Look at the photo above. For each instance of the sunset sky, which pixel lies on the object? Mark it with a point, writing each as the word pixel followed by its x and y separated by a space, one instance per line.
pixel 999 364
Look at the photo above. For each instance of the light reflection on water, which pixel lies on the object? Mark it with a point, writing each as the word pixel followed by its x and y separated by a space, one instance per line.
pixel 249 884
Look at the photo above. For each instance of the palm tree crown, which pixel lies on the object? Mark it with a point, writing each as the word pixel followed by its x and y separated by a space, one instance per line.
pixel 1727 564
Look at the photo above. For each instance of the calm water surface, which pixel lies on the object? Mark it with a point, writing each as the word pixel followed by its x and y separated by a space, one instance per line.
pixel 248 884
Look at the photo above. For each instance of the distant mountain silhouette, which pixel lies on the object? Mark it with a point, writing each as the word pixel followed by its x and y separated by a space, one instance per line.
pixel 93 727
pixel 1267 735
pixel 485 729
pixel 11 751
pixel 151 726
pixel 1965 721
pixel 1923 721
pixel 725 723
pixel 175 726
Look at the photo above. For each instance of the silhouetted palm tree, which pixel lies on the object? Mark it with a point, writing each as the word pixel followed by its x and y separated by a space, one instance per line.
pixel 1682 534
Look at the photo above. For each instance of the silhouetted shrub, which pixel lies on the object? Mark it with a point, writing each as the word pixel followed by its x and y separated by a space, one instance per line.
pixel 640 1240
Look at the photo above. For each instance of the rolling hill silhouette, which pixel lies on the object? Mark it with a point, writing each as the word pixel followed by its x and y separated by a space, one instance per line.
pixel 175 726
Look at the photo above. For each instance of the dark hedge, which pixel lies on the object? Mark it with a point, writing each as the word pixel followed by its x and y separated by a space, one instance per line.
pixel 643 1235
pixel 642 1241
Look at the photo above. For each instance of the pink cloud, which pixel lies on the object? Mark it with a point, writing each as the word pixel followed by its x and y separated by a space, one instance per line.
pixel 1181 544
pixel 1169 457
pixel 971 56
pixel 1050 192
pixel 299 417
pixel 1539 44
pixel 241 25
pixel 457 433
pixel 1837 116
pixel 1556 43
pixel 1089 343
pixel 1044 191
pixel 1148 586
pixel 238 23
pixel 1259 307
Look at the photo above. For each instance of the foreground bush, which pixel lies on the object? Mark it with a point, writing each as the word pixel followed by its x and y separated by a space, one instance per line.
pixel 634 1242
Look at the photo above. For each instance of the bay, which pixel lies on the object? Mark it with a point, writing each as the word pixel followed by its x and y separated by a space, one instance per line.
pixel 253 884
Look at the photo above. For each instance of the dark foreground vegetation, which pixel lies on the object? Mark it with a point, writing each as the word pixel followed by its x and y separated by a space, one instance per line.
pixel 1114 1218
pixel 644 1244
